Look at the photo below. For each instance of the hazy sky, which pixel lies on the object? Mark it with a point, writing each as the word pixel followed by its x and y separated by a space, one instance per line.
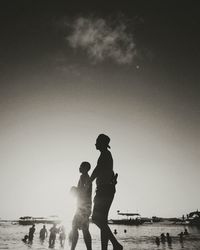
pixel 69 72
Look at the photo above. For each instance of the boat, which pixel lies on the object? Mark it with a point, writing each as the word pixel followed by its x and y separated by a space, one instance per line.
pixel 194 218
pixel 29 220
pixel 156 219
pixel 127 219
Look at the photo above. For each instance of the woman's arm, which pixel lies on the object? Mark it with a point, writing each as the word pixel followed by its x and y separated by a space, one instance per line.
pixel 94 174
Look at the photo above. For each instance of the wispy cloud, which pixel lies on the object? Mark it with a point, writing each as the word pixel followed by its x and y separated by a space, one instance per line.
pixel 102 41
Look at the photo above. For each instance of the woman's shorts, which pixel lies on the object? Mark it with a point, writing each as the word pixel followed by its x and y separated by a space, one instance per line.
pixel 102 202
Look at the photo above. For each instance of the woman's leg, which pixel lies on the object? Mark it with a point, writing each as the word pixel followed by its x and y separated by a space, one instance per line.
pixel 100 217
pixel 104 239
pixel 106 234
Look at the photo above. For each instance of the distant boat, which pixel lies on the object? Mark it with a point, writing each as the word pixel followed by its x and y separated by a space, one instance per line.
pixel 128 219
pixel 157 219
pixel 29 220
pixel 194 218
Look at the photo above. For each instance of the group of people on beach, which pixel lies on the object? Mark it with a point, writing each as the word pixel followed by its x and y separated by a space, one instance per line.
pixel 167 238
pixel 52 237
pixel 106 181
pixel 44 234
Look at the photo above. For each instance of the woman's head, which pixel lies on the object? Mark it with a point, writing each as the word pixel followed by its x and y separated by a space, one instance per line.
pixel 102 142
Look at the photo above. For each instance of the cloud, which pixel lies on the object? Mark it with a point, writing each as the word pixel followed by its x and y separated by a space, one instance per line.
pixel 102 41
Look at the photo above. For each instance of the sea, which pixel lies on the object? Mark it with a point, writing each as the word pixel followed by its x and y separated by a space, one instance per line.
pixel 131 237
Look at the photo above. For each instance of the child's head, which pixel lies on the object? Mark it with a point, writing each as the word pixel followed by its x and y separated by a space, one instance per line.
pixel 84 167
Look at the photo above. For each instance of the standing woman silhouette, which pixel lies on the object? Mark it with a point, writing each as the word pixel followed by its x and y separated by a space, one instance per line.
pixel 105 191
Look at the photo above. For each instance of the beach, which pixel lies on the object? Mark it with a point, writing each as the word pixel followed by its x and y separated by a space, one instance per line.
pixel 135 237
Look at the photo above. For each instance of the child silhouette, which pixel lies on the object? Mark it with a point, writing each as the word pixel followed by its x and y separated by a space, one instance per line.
pixel 81 218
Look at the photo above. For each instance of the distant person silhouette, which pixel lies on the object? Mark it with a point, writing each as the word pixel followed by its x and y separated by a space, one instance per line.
pixel 105 191
pixel 186 232
pixel 52 237
pixel 62 236
pixel 181 237
pixel 25 239
pixel 31 233
pixel 162 238
pixel 157 240
pixel 169 239
pixel 84 203
pixel 43 233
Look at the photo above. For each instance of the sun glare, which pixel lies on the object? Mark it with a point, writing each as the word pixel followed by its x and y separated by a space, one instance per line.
pixel 68 208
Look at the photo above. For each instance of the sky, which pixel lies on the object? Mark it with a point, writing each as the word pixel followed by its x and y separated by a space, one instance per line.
pixel 70 71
